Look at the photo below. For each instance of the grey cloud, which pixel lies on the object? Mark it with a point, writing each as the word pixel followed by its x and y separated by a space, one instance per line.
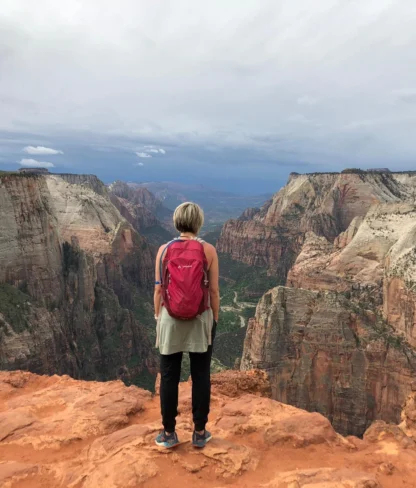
pixel 228 75
pixel 407 96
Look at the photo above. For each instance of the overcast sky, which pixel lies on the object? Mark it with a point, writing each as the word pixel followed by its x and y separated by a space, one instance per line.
pixel 198 91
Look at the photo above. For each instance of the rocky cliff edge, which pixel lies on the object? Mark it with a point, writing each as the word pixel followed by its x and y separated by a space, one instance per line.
pixel 59 432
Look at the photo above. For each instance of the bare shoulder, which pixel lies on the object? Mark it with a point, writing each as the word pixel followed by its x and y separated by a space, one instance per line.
pixel 209 246
pixel 209 249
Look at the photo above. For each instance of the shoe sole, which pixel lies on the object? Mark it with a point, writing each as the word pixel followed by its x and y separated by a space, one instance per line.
pixel 201 447
pixel 162 444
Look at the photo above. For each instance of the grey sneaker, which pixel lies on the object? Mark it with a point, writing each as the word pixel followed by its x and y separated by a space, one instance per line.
pixel 167 440
pixel 201 440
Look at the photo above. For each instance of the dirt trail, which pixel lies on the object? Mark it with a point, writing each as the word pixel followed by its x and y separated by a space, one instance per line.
pixel 238 308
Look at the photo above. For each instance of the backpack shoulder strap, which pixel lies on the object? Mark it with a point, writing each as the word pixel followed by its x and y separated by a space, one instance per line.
pixel 161 259
pixel 201 241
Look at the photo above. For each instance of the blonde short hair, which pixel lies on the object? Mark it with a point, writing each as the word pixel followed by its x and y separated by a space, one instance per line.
pixel 188 217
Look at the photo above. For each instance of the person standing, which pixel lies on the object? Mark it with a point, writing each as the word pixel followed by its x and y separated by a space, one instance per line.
pixel 186 302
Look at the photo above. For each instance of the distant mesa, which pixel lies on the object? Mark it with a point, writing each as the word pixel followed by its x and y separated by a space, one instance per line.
pixel 358 171
pixel 34 170
pixel 370 170
pixel 353 171
pixel 379 170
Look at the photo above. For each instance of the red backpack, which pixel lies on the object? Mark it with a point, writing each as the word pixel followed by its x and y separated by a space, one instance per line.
pixel 184 277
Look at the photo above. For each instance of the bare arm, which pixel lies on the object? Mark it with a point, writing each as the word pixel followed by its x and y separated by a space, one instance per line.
pixel 157 297
pixel 214 289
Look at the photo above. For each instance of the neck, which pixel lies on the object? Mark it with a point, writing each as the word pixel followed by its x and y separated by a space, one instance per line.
pixel 189 235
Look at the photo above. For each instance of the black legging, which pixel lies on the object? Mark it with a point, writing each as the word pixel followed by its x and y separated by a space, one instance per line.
pixel 170 372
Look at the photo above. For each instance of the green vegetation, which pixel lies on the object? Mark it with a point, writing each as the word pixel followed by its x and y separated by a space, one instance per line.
pixel 353 171
pixel 213 226
pixel 20 175
pixel 377 326
pixel 228 346
pixel 212 235
pixel 250 282
pixel 216 367
pixel 143 380
pixel 156 234
pixel 14 306
pixel 241 287
pixel 142 309
pixel 110 325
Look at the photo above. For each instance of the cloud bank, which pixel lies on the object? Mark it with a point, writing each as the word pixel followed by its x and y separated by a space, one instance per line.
pixel 254 84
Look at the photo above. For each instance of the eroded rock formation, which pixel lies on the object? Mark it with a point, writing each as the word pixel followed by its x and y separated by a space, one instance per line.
pixel 325 204
pixel 55 431
pixel 375 258
pixel 348 353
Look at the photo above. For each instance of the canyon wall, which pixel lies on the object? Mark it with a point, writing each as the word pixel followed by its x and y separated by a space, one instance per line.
pixel 144 212
pixel 143 209
pixel 374 261
pixel 325 354
pixel 75 277
pixel 325 204
pixel 341 341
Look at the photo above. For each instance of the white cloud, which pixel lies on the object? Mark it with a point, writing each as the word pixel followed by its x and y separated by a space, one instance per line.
pixel 143 155
pixel 140 164
pixel 307 100
pixel 33 163
pixel 154 150
pixel 40 150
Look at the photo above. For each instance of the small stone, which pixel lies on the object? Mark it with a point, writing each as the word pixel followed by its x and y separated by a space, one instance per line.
pixel 386 468
pixel 192 468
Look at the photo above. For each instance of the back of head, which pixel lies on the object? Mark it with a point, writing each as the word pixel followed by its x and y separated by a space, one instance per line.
pixel 188 217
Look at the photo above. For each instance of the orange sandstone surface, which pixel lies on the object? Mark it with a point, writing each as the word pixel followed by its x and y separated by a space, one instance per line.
pixel 60 432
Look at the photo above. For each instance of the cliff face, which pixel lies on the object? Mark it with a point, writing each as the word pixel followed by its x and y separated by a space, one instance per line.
pixel 143 198
pixel 30 250
pixel 376 253
pixel 325 204
pixel 325 354
pixel 74 276
pixel 144 211
pixel 56 431
pixel 347 348
pixel 137 195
